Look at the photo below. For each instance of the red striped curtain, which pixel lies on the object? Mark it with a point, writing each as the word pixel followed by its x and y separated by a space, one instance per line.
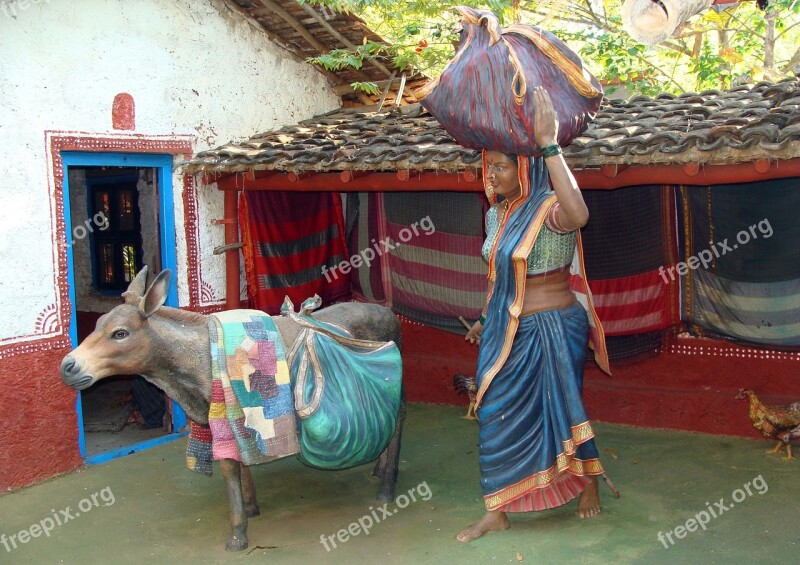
pixel 292 240
pixel 629 240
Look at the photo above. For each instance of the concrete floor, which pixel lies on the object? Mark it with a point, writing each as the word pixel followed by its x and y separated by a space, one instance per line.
pixel 150 509
pixel 100 442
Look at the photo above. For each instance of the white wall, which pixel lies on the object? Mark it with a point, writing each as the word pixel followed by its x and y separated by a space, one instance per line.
pixel 193 67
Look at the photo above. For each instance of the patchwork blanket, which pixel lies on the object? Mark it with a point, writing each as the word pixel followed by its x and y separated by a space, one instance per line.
pixel 341 400
pixel 251 418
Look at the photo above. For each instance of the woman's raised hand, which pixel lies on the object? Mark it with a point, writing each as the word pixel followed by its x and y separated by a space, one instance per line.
pixel 545 129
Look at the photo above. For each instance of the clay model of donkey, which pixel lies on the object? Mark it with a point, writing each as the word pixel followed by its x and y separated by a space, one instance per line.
pixel 170 348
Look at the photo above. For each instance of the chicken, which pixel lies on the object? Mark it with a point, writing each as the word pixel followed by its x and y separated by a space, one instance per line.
pixel 773 422
pixel 793 434
pixel 466 385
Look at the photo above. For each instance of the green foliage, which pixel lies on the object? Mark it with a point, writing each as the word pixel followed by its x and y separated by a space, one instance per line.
pixel 338 59
pixel 709 69
pixel 368 87
pixel 715 49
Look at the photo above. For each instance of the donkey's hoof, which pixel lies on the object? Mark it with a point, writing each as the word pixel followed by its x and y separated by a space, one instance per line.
pixel 252 510
pixel 386 494
pixel 236 544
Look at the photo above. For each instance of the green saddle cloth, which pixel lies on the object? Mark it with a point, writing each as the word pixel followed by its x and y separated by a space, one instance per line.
pixel 347 393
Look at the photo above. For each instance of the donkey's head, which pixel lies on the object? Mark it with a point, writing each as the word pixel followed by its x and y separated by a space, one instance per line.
pixel 121 343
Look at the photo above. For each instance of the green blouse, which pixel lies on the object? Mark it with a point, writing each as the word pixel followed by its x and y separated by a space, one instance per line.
pixel 551 250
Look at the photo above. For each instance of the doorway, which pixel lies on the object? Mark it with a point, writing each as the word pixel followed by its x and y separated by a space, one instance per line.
pixel 119 217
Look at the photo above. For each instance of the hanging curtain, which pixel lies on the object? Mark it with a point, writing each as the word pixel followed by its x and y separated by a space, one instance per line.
pixel 749 288
pixel 427 248
pixel 630 236
pixel 364 227
pixel 292 243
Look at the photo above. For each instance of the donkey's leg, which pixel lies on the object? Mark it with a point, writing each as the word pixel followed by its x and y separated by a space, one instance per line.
pixel 380 464
pixel 249 493
pixel 231 469
pixel 391 456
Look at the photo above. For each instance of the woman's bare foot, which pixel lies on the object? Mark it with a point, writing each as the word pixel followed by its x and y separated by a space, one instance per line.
pixel 589 502
pixel 492 521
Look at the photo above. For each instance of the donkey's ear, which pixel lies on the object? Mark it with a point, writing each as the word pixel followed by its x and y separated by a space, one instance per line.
pixel 136 289
pixel 156 295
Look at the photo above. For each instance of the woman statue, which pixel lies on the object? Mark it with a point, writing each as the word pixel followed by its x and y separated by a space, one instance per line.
pixel 536 444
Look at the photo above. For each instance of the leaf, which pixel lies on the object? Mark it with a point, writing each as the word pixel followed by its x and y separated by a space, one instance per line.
pixel 719 19
pixel 368 87
pixel 731 55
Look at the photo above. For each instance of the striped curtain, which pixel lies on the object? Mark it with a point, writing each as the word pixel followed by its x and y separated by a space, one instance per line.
pixel 427 263
pixel 630 237
pixel 292 243
pixel 742 261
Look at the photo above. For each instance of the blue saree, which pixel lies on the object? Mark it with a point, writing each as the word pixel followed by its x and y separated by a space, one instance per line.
pixel 536 444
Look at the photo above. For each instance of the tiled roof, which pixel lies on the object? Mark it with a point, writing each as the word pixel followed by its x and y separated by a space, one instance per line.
pixel 746 123
pixel 309 30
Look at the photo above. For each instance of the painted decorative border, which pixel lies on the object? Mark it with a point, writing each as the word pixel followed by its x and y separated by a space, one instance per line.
pixel 709 348
pixel 201 294
pixel 52 326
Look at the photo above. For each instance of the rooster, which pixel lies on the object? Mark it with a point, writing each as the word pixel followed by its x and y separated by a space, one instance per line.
pixel 466 385
pixel 774 422
pixel 793 434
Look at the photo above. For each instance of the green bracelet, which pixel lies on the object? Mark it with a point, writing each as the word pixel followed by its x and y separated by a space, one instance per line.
pixel 551 150
pixel 481 319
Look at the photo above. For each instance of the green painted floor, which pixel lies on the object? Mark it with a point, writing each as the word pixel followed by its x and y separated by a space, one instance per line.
pixel 150 509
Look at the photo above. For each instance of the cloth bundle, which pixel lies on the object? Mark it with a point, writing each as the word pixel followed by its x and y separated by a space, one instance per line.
pixel 347 392
pixel 484 97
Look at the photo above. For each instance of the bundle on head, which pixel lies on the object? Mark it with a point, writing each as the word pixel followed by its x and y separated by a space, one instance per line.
pixel 484 97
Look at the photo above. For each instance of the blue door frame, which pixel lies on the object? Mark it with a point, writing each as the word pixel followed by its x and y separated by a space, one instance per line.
pixel 163 165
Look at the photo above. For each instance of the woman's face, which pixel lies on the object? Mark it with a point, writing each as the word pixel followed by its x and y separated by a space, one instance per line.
pixel 502 174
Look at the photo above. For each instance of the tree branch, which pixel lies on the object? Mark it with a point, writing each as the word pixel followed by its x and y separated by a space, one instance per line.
pixel 793 62
pixel 662 71
pixel 788 28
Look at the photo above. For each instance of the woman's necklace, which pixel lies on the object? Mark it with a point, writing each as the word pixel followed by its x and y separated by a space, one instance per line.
pixel 503 211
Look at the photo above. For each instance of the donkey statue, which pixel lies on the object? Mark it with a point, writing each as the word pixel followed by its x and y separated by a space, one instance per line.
pixel 171 349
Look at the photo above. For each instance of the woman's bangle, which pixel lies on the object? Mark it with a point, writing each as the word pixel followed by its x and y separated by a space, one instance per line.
pixel 551 150
pixel 482 319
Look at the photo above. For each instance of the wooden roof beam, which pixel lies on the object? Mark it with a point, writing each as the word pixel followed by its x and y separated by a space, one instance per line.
pixel 330 29
pixel 358 182
pixel 270 6
pixel 347 89
pixel 274 37
pixel 469 180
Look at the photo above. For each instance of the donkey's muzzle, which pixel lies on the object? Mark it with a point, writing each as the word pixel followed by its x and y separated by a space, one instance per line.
pixel 72 375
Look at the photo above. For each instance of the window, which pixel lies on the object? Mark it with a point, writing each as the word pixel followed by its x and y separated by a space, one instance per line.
pixel 117 248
